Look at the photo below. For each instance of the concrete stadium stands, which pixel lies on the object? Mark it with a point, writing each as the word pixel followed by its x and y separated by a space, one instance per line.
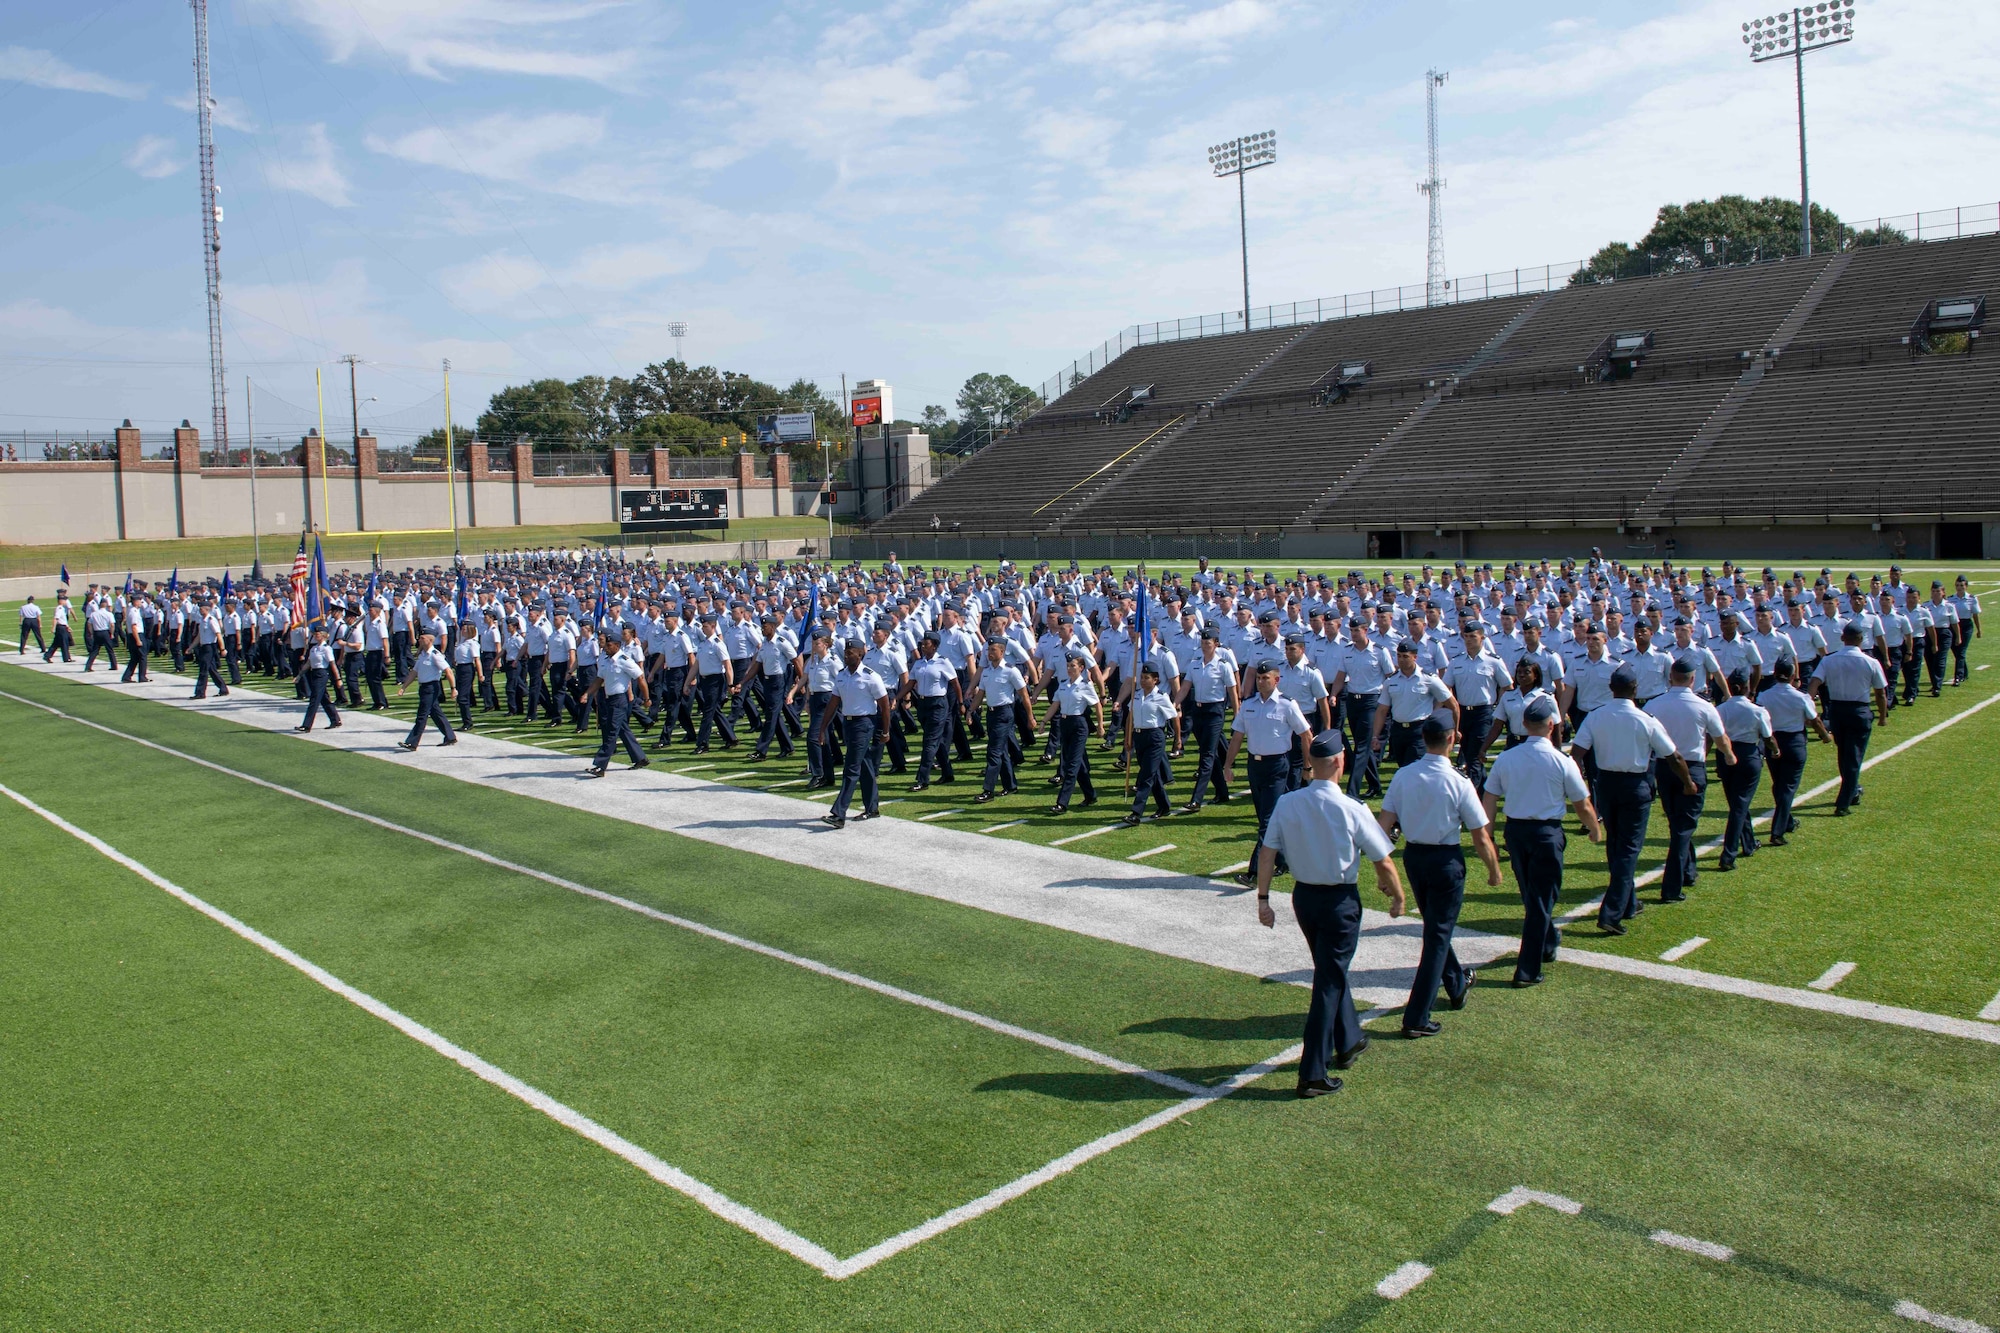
pixel 1774 394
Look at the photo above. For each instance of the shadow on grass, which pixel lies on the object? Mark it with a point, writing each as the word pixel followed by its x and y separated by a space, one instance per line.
pixel 1107 1088
pixel 1258 1027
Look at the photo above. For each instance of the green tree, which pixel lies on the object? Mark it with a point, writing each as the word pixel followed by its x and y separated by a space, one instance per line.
pixel 544 412
pixel 1730 229
pixel 995 402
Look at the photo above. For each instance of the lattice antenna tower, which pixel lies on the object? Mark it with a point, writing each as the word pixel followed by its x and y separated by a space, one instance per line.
pixel 211 223
pixel 1432 187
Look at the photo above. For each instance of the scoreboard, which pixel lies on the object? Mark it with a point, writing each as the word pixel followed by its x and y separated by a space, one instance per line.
pixel 673 510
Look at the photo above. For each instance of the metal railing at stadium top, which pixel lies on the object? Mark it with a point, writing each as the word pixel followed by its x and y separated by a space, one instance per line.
pixel 59 446
pixel 1930 225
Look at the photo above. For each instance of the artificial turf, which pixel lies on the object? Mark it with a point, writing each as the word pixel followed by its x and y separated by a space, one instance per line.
pixel 1841 891
pixel 198 1137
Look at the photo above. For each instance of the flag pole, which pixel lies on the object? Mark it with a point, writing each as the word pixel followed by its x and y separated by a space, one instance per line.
pixel 450 477
pixel 325 504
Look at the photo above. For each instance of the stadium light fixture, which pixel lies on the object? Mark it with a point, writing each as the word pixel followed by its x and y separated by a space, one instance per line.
pixel 1794 35
pixel 1234 158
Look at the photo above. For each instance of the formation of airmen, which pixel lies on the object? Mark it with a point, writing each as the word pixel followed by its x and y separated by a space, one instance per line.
pixel 1528 694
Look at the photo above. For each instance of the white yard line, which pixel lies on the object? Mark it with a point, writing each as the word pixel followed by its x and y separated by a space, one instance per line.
pixel 1403 1281
pixel 1229 870
pixel 1151 851
pixel 795 782
pixel 1991 1013
pixel 941 814
pixel 1087 895
pixel 1707 1249
pixel 1683 949
pixel 1910 1310
pixel 712 1199
pixel 730 777
pixel 1832 977
pixel 1079 837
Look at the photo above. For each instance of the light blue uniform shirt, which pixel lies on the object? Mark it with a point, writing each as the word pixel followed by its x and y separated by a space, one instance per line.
pixel 1412 698
pixel 1152 710
pixel 1790 709
pixel 858 690
pixel 1268 727
pixel 1324 835
pixel 933 676
pixel 1690 719
pixel 1433 801
pixel 1623 739
pixel 1537 780
pixel 1850 676
pixel 820 671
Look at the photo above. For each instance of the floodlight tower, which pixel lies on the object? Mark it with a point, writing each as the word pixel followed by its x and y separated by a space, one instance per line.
pixel 1235 158
pixel 211 226
pixel 1432 188
pixel 1811 27
pixel 677 330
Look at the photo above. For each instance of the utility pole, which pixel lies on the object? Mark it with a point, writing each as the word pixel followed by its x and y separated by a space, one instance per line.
pixel 1806 28
pixel 1234 158
pixel 211 227
pixel 1432 188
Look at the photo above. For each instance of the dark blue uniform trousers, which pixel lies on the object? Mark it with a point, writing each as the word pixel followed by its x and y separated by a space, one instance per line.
pixel 614 728
pixel 713 690
pixel 771 699
pixel 822 756
pixel 1437 881
pixel 1852 725
pixel 1363 760
pixel 1149 770
pixel 1626 807
pixel 1739 784
pixel 935 717
pixel 858 735
pixel 1000 748
pixel 1330 916
pixel 430 708
pixel 1474 722
pixel 317 699
pixel 1074 734
pixel 1535 849
pixel 1683 814
pixel 1787 771
pixel 1270 778
pixel 1205 721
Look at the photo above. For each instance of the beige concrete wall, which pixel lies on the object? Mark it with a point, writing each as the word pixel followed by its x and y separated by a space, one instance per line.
pixel 42 504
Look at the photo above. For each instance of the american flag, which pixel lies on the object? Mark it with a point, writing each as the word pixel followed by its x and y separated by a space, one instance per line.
pixel 301 569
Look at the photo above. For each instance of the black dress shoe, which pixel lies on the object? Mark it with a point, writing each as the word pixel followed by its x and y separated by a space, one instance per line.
pixel 593 772
pixel 333 726
pixel 1130 821
pixel 1726 863
pixel 404 745
pixel 982 798
pixel 642 763
pixel 1428 1029
pixel 701 749
pixel 1611 927
pixel 1058 810
pixel 1522 983
pixel 1089 801
pixel 920 786
pixel 301 728
pixel 1245 878
pixel 1677 898
pixel 867 815
pixel 1637 907
pixel 836 821
pixel 1458 1001
pixel 1775 840
pixel 1346 1059
pixel 1318 1087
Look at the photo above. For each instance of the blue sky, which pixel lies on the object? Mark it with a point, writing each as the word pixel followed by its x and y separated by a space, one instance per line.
pixel 908 191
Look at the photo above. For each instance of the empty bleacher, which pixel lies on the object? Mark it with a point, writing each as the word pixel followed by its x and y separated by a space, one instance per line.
pixel 1846 420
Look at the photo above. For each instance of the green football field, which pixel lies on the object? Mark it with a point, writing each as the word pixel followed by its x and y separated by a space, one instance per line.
pixel 299 1038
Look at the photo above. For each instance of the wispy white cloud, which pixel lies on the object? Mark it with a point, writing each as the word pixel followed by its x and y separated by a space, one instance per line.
pixel 504 147
pixel 155 158
pixel 230 113
pixel 434 38
pixel 307 165
pixel 492 282
pixel 1134 35
pixel 45 69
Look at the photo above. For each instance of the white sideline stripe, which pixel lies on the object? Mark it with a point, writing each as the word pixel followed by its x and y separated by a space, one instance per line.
pixel 693 768
pixel 746 773
pixel 1707 1249
pixel 1683 949
pixel 1403 1281
pixel 1061 1166
pixel 1083 1053
pixel 1654 875
pixel 1991 1013
pixel 1941 1024
pixel 1912 1311
pixel 1151 851
pixel 1012 823
pixel 1079 837
pixel 795 782
pixel 1982 666
pixel 1521 1196
pixel 714 1200
pixel 1832 977
pixel 941 814
pixel 1229 870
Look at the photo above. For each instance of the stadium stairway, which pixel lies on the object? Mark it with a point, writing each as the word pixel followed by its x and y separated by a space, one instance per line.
pixel 1333 494
pixel 1109 477
pixel 1653 508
